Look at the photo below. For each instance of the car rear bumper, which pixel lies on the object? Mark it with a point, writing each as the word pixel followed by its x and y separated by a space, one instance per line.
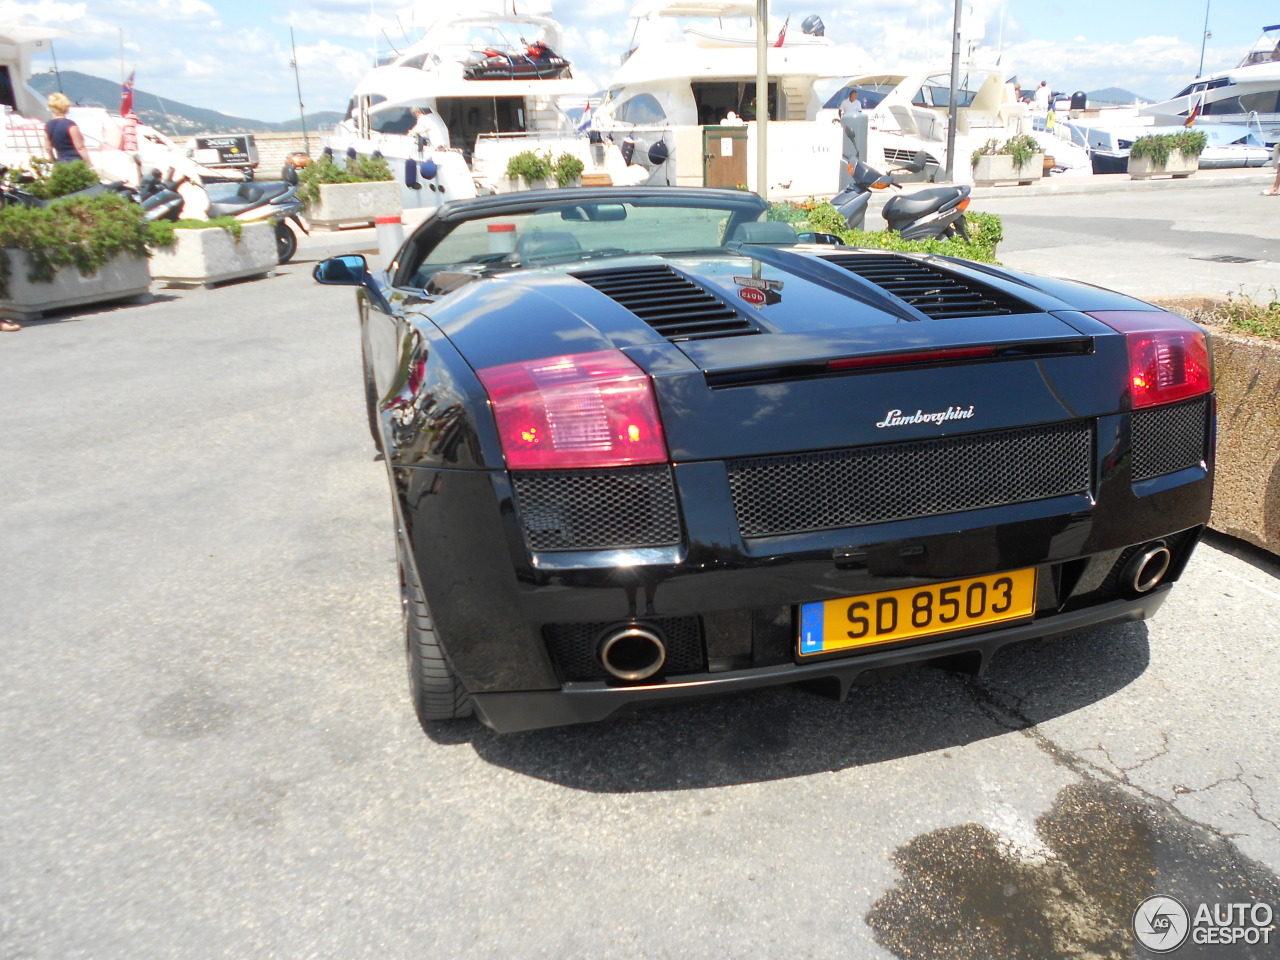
pixel 513 712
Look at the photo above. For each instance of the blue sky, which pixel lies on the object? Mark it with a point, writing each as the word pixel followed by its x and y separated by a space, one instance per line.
pixel 233 55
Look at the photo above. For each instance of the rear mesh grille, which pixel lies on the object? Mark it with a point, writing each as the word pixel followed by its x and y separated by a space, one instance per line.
pixel 673 305
pixel 935 293
pixel 574 646
pixel 1169 439
pixel 621 508
pixel 894 481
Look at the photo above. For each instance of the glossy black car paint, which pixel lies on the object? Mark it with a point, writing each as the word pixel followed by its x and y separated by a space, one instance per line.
pixel 756 395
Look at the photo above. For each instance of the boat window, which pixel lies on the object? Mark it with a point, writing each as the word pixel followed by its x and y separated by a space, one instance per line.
pixel 392 121
pixel 1220 82
pixel 715 99
pixel 1226 105
pixel 869 95
pixel 1264 101
pixel 1183 92
pixel 642 109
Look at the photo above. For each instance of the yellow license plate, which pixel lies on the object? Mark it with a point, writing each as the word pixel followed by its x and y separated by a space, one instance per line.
pixel 875 618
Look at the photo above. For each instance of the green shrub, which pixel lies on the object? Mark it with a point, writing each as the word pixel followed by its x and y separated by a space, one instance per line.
pixel 530 167
pixel 160 232
pixel 360 169
pixel 1241 313
pixel 1021 148
pixel 1158 146
pixel 985 230
pixel 53 180
pixel 84 232
pixel 566 169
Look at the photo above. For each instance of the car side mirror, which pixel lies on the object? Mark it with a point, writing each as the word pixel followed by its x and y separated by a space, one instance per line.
pixel 345 271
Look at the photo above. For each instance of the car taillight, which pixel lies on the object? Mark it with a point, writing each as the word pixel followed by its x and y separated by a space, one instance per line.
pixel 579 410
pixel 1168 356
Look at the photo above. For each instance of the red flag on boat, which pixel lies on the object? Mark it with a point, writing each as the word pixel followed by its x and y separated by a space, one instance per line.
pixel 782 34
pixel 1195 112
pixel 126 96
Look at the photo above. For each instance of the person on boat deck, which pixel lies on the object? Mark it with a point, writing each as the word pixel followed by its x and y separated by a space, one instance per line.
pixel 1042 98
pixel 429 127
pixel 853 105
pixel 66 144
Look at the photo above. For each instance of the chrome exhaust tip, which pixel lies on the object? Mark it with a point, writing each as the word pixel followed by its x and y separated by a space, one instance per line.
pixel 633 653
pixel 1148 567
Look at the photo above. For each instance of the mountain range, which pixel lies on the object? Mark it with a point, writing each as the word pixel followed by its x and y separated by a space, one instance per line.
pixel 168 116
pixel 1116 95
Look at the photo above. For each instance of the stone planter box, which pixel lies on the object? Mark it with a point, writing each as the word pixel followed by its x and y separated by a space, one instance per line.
pixel 1178 165
pixel 201 258
pixel 352 204
pixel 998 169
pixel 123 278
pixel 1246 484
pixel 1246 491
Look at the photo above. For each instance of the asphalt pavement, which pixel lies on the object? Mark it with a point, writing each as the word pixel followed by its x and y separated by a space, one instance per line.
pixel 207 749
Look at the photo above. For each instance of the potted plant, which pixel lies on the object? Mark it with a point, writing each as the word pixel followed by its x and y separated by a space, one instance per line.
pixel 204 252
pixel 344 194
pixel 1018 160
pixel 1166 154
pixel 75 251
pixel 533 168
pixel 567 169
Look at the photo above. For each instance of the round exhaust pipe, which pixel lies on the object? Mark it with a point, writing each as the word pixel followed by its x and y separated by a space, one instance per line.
pixel 633 652
pixel 1144 572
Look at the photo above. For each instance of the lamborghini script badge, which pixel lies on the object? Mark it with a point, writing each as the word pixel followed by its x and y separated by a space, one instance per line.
pixel 896 418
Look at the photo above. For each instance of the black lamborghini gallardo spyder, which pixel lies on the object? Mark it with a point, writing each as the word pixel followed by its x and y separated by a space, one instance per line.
pixel 645 445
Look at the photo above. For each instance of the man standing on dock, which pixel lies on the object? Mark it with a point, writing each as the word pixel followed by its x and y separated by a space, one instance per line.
pixel 1042 98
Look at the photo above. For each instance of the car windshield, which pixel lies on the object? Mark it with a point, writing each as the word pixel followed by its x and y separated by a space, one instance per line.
pixel 583 230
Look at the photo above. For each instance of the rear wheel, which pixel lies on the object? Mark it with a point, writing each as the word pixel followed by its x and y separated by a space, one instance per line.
pixel 286 242
pixel 437 693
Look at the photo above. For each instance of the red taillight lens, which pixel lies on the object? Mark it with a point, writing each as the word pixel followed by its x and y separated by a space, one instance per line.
pixel 579 410
pixel 1168 356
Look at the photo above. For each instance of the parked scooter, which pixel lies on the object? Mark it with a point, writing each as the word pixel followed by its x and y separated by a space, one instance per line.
pixel 274 200
pixel 247 200
pixel 932 212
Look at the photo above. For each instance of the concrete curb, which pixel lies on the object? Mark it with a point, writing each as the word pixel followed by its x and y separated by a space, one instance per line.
pixel 1252 177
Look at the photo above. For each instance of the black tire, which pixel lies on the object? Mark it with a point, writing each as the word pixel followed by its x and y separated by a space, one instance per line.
pixel 436 691
pixel 286 243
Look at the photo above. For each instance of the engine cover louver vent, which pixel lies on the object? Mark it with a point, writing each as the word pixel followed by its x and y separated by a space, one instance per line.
pixel 935 293
pixel 673 305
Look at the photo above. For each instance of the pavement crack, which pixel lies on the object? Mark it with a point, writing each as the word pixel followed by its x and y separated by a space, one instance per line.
pixel 1163 751
pixel 1013 719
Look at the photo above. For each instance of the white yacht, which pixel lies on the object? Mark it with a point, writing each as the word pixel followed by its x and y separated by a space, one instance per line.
pixel 1242 96
pixel 491 75
pixel 681 108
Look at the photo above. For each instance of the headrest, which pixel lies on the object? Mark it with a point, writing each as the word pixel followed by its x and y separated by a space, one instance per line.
pixel 550 243
pixel 765 231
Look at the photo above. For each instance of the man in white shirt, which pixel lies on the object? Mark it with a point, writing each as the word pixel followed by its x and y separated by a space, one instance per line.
pixel 1042 98
pixel 429 127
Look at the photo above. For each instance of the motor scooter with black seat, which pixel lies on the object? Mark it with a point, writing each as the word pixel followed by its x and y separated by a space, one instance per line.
pixel 274 200
pixel 933 212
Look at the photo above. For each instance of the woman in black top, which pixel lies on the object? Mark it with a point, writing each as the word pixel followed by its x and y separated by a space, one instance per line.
pixel 65 141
